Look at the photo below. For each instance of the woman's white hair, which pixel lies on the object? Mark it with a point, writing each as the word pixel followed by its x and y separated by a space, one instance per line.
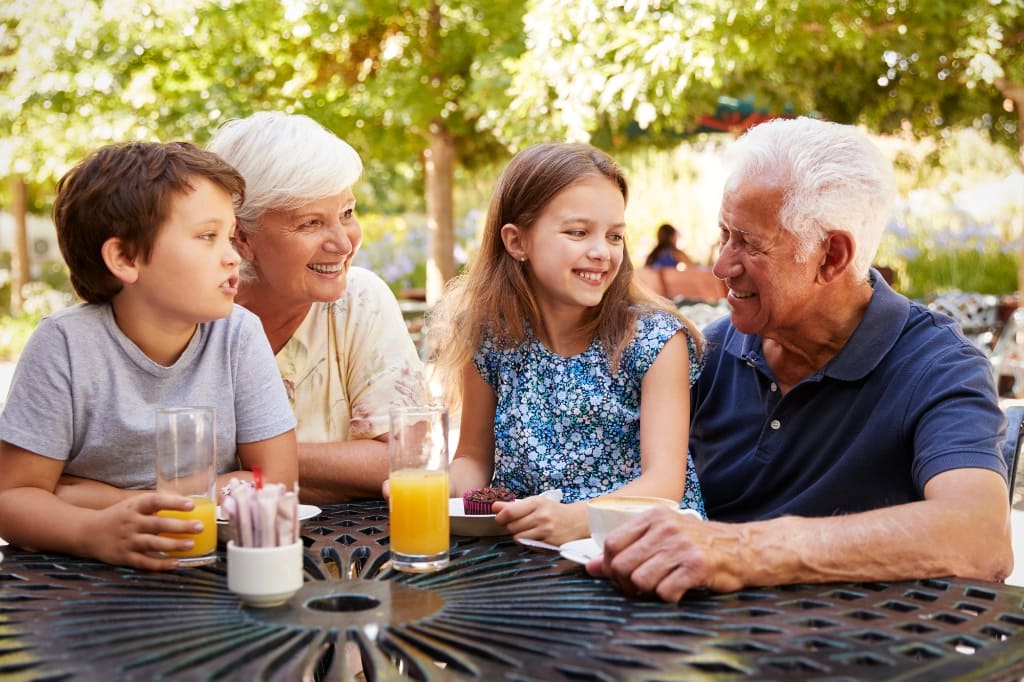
pixel 834 177
pixel 287 160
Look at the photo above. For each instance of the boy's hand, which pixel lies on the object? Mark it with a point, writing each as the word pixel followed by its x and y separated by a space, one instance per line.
pixel 127 533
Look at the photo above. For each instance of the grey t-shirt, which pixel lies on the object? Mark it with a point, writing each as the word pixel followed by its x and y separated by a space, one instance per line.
pixel 84 392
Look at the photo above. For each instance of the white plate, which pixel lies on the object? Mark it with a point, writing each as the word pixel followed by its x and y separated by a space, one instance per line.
pixel 477 525
pixel 580 551
pixel 306 511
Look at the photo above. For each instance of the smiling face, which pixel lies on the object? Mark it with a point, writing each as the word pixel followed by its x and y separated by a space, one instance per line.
pixel 574 249
pixel 191 275
pixel 302 256
pixel 769 289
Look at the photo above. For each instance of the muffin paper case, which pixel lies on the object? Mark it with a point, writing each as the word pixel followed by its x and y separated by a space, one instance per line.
pixel 479 500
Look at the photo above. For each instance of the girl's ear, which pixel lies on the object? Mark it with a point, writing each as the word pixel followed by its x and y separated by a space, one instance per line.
pixel 118 262
pixel 242 244
pixel 514 242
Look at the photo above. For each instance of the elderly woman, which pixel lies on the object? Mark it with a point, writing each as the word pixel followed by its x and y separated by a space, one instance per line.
pixel 336 330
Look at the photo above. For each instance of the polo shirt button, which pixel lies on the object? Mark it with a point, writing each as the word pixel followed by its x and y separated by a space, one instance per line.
pixel 774 387
pixel 776 424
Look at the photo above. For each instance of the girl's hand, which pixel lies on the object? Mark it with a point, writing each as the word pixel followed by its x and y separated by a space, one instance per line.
pixel 540 518
pixel 127 533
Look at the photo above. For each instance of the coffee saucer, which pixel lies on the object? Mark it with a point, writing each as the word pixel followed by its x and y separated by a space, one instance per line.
pixel 580 551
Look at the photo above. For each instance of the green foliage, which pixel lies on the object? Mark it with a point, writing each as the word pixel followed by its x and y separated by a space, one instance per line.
pixel 960 226
pixel 51 292
pixel 14 333
pixel 595 65
pixel 983 270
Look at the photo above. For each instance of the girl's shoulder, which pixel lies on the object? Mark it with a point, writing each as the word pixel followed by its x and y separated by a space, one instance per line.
pixel 654 321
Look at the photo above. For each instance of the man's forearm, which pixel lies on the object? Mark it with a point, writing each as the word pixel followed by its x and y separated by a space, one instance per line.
pixel 916 540
pixel 339 472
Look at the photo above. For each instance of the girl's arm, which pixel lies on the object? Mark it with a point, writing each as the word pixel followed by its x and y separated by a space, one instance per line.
pixel 664 424
pixel 473 463
pixel 276 456
pixel 126 533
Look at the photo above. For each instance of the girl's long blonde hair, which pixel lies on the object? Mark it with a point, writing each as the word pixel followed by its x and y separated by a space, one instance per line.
pixel 495 299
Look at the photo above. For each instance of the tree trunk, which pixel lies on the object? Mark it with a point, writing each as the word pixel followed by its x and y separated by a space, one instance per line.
pixel 19 244
pixel 439 167
pixel 1015 93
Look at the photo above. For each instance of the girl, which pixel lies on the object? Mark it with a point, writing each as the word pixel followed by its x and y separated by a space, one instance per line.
pixel 570 376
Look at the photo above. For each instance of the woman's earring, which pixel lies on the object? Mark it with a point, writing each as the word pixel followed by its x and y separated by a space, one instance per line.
pixel 523 259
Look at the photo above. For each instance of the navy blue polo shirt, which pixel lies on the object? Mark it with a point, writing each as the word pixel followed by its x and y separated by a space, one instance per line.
pixel 906 398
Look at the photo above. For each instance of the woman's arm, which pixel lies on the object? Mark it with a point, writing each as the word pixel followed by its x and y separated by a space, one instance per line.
pixel 473 463
pixel 342 471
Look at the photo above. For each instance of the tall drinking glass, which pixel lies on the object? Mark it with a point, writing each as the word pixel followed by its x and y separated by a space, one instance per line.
pixel 418 480
pixel 186 465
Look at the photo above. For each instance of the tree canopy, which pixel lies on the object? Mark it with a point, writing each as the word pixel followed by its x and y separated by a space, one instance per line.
pixel 424 85
pixel 888 64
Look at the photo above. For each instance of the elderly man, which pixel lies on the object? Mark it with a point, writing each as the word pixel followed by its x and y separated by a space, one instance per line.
pixel 840 431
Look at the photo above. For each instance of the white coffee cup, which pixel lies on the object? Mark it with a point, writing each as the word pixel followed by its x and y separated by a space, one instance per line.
pixel 605 514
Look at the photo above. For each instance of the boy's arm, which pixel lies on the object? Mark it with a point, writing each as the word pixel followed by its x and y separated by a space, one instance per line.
pixel 91 494
pixel 33 517
pixel 275 456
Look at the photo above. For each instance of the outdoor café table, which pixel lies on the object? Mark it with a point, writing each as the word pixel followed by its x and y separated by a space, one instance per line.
pixel 499 612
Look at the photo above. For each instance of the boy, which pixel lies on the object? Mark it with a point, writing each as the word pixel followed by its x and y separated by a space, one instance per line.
pixel 146 230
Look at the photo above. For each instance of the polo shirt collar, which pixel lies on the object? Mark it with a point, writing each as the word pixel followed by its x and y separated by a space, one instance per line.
pixel 871 341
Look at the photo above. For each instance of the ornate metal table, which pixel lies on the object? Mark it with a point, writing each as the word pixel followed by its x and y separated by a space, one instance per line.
pixel 499 612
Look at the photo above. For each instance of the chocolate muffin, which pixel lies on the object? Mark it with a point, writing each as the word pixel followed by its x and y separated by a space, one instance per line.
pixel 479 500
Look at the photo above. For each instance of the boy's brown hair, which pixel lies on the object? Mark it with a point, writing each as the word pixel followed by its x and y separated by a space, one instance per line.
pixel 125 191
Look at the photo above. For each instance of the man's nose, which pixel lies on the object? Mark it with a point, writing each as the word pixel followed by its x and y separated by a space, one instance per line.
pixel 727 264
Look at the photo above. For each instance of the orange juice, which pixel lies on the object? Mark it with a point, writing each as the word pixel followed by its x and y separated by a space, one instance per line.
pixel 206 540
pixel 419 512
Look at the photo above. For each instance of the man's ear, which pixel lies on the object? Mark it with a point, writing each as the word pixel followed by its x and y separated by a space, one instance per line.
pixel 515 244
pixel 118 262
pixel 242 244
pixel 838 256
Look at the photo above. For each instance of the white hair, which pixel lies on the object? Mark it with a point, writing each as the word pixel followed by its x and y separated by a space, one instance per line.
pixel 834 178
pixel 287 160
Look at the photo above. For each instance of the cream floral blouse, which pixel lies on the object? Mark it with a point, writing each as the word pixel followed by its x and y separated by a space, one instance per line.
pixel 349 362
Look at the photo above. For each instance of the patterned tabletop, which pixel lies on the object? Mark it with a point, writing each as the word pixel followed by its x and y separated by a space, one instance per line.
pixel 498 612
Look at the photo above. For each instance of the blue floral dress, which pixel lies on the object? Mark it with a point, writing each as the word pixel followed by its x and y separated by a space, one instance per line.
pixel 569 423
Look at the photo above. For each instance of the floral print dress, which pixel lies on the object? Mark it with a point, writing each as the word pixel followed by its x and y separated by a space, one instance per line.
pixel 570 423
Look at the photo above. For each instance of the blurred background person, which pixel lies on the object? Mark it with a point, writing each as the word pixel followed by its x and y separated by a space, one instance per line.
pixel 666 254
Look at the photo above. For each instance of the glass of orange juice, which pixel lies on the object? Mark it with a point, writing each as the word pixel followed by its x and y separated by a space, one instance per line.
pixel 418 482
pixel 186 465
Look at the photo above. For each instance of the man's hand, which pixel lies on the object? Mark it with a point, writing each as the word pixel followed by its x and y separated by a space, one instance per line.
pixel 666 553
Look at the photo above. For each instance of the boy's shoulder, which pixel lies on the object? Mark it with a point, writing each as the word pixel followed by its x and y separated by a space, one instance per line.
pixel 239 320
pixel 78 318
